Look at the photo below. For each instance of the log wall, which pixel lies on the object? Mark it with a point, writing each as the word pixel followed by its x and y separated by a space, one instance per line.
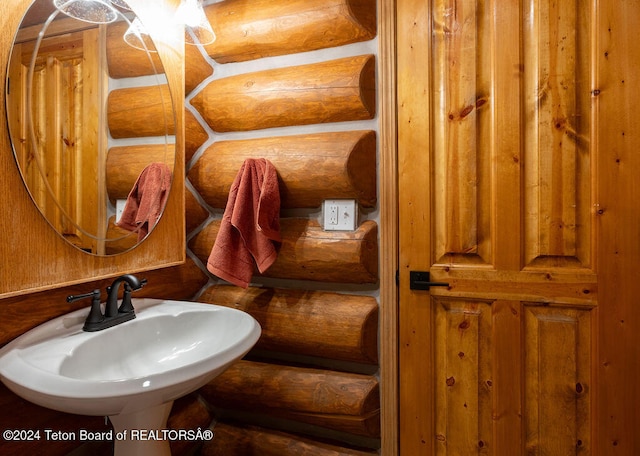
pixel 313 370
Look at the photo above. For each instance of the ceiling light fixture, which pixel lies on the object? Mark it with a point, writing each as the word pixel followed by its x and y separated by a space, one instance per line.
pixel 137 36
pixel 121 4
pixel 94 11
pixel 197 27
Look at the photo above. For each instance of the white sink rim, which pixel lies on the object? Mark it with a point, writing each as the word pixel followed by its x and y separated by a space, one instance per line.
pixel 56 340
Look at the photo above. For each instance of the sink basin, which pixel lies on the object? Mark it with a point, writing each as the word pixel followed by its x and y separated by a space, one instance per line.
pixel 170 349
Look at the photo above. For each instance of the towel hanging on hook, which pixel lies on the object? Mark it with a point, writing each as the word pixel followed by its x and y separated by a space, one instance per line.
pixel 250 225
pixel 146 200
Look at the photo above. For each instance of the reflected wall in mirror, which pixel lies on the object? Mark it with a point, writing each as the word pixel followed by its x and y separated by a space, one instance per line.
pixel 92 126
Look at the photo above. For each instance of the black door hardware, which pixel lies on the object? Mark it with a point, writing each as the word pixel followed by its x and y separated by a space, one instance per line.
pixel 420 280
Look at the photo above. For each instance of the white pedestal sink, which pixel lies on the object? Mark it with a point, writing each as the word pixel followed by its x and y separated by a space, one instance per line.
pixel 132 372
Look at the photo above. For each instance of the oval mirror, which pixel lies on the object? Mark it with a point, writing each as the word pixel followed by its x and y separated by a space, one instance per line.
pixel 92 125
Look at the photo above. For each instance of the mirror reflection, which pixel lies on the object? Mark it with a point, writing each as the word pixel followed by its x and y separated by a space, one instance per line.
pixel 92 125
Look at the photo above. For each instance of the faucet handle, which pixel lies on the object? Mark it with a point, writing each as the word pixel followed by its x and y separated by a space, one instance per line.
pixel 95 314
pixel 95 294
pixel 126 305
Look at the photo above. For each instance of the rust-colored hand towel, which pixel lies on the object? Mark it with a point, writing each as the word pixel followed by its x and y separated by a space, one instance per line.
pixel 250 224
pixel 146 200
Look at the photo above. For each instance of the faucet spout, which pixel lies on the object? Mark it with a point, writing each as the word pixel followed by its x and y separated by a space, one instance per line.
pixel 132 283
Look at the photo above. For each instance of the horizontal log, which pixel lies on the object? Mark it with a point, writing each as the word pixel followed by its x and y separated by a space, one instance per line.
pixel 336 400
pixel 195 213
pixel 251 29
pixel 118 239
pixel 199 68
pixel 307 252
pixel 125 163
pixel 178 282
pixel 194 135
pixel 310 323
pixel 239 440
pixel 137 112
pixel 310 167
pixel 188 413
pixel 125 61
pixel 332 91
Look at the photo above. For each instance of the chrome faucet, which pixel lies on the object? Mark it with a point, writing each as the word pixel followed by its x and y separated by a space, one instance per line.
pixel 113 315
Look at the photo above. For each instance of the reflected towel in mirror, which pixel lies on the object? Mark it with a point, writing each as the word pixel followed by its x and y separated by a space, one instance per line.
pixel 250 225
pixel 146 200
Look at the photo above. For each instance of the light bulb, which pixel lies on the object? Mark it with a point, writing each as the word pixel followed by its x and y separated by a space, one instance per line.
pixel 197 27
pixel 137 36
pixel 94 11
pixel 121 4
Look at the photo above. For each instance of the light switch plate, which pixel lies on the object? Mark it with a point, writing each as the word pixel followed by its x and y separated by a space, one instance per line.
pixel 340 215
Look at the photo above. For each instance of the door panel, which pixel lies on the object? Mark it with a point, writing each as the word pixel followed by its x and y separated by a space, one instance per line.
pixel 463 341
pixel 496 199
pixel 556 128
pixel 557 347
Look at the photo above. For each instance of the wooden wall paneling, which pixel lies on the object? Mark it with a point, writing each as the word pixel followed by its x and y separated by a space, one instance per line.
pixel 311 323
pixel 388 209
pixel 340 401
pixel 125 163
pixel 331 91
pixel 22 313
pixel 250 29
pixel 307 252
pixel 615 95
pixel 136 112
pixel 242 440
pixel 310 167
pixel 415 353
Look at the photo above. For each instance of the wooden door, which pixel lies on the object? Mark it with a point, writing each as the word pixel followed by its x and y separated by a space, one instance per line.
pixel 60 157
pixel 497 146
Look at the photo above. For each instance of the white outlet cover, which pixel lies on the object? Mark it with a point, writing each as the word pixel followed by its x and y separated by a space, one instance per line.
pixel 120 204
pixel 340 215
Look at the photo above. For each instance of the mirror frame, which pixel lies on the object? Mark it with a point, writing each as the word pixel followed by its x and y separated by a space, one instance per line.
pixel 33 256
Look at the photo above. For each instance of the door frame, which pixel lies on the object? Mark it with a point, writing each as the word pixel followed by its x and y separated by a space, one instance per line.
pixel 389 238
